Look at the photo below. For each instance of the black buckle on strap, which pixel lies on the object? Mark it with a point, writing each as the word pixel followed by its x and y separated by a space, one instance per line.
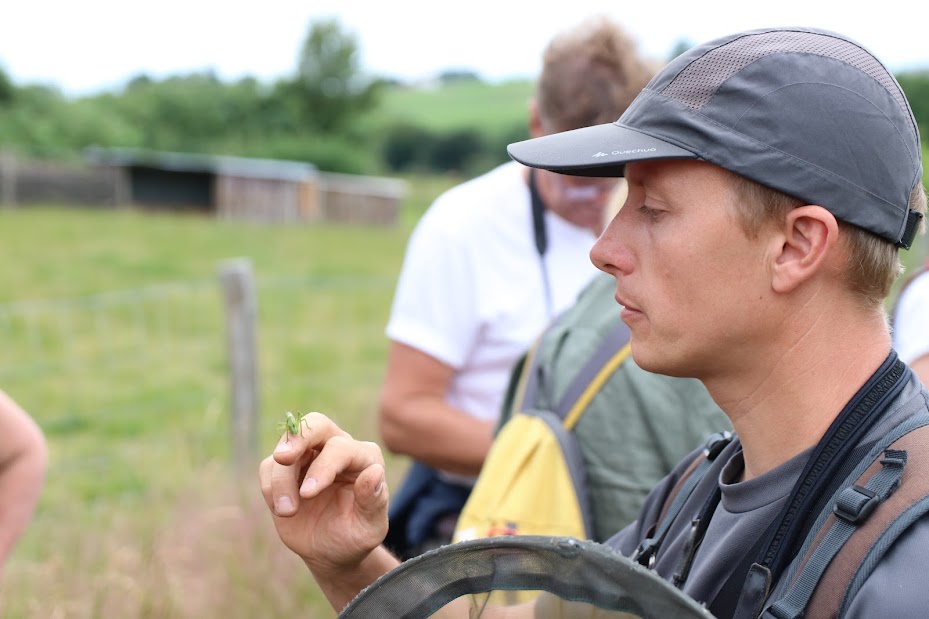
pixel 855 504
pixel 716 443
pixel 646 553
pixel 909 230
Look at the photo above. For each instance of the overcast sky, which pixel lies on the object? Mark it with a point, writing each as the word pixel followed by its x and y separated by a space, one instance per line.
pixel 91 45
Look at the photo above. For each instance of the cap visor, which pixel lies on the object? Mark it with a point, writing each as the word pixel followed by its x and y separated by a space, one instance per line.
pixel 601 150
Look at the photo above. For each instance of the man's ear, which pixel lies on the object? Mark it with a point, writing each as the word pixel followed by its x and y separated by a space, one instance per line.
pixel 535 120
pixel 810 233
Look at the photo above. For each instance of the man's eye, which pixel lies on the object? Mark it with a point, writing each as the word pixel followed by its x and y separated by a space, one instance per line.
pixel 650 213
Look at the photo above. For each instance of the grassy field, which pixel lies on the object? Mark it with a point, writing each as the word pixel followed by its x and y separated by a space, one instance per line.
pixel 495 108
pixel 142 515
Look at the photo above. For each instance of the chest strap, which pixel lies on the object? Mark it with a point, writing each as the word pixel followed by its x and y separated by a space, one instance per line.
pixel 647 551
pixel 867 517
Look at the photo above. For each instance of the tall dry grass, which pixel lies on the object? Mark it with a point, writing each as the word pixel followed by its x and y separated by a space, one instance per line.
pixel 211 552
pixel 141 516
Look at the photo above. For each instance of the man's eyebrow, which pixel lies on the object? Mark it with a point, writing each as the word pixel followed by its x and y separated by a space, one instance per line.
pixel 633 174
pixel 642 179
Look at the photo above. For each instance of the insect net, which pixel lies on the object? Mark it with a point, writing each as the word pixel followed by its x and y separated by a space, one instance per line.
pixel 565 578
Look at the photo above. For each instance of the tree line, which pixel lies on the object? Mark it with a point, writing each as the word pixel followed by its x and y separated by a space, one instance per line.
pixel 324 113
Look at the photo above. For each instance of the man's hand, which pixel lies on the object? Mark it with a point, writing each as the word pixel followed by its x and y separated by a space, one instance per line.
pixel 327 494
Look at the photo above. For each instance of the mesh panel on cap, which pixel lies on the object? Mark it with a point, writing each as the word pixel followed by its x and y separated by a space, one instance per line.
pixel 698 82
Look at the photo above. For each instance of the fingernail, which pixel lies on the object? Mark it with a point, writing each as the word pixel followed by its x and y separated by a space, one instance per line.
pixel 309 484
pixel 379 489
pixel 283 505
pixel 282 447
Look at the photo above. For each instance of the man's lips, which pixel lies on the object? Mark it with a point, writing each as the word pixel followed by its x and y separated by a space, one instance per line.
pixel 629 311
pixel 625 303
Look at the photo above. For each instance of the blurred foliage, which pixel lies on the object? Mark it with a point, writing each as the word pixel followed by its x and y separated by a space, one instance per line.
pixel 330 85
pixel 916 86
pixel 327 112
pixel 6 87
pixel 305 116
pixel 493 109
pixel 411 148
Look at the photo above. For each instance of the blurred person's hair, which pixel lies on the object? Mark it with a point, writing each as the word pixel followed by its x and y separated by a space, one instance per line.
pixel 590 75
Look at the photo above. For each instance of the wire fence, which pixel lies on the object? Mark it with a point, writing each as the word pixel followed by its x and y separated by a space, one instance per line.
pixel 128 384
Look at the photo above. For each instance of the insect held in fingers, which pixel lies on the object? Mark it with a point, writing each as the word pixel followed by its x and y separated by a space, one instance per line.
pixel 292 424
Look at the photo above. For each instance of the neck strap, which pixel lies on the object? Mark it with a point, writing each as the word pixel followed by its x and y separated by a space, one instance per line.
pixel 540 234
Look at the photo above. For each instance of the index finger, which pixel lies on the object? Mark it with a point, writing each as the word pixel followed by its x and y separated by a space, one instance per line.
pixel 314 430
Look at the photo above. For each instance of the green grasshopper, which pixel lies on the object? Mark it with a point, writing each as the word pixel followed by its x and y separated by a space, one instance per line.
pixel 293 425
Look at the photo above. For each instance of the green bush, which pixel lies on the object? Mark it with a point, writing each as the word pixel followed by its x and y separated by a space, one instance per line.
pixel 328 153
pixel 456 151
pixel 408 147
pixel 916 86
pixel 404 147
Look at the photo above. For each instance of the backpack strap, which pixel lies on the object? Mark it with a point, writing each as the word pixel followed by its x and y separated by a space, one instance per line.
pixel 647 551
pixel 609 355
pixel 611 352
pixel 526 388
pixel 867 516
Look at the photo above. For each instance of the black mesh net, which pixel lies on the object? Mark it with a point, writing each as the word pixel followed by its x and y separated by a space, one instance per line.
pixel 563 577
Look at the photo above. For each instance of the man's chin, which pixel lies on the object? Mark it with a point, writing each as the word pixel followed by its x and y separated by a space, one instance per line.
pixel 657 362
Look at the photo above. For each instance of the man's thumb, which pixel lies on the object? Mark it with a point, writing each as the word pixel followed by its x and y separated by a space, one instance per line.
pixel 371 494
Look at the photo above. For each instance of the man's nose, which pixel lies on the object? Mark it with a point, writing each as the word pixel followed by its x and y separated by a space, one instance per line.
pixel 611 253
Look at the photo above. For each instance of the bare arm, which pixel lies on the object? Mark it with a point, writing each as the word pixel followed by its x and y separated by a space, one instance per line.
pixel 23 461
pixel 417 421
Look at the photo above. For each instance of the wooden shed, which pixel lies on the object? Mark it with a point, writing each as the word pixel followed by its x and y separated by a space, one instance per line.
pixel 350 198
pixel 265 190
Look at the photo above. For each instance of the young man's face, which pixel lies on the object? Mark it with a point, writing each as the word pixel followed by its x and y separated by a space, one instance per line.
pixel 693 285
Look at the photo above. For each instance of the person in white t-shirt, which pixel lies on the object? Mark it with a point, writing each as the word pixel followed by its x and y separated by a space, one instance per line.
pixel 911 324
pixel 487 267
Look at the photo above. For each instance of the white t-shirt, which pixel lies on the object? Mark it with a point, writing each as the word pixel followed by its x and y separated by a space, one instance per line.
pixel 471 291
pixel 911 320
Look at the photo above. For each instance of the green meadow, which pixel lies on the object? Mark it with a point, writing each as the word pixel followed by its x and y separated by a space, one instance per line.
pixel 114 340
pixel 496 108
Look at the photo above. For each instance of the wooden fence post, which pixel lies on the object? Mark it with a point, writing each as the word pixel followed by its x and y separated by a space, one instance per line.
pixel 240 302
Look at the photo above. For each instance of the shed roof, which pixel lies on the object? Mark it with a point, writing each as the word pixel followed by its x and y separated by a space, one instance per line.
pixel 272 169
pixel 380 186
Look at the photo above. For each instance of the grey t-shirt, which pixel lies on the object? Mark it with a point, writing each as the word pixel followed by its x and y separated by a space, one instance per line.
pixel 898 587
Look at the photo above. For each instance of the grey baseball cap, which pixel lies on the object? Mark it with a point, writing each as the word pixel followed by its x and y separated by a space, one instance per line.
pixel 807 112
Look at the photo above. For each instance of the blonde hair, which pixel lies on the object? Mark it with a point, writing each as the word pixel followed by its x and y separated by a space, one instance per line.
pixel 873 262
pixel 590 75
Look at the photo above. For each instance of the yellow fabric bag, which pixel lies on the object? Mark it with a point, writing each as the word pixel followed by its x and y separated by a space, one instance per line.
pixel 530 488
pixel 534 481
